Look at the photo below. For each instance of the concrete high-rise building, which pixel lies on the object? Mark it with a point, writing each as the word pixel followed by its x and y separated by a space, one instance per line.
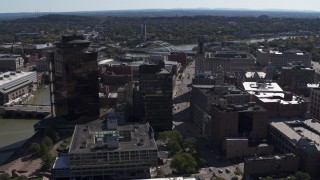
pixel 74 79
pixel 9 62
pixel 155 91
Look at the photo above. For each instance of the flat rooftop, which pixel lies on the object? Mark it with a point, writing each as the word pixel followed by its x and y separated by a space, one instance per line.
pixel 253 74
pixel 307 131
pixel 262 87
pixel 296 52
pixel 9 56
pixel 128 136
pixel 9 77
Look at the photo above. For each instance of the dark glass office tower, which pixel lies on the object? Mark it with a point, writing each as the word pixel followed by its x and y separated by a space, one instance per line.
pixel 155 86
pixel 74 79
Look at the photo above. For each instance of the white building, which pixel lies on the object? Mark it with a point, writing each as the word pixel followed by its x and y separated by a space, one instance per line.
pixel 14 85
pixel 315 103
pixel 232 61
pixel 9 62
pixel 280 59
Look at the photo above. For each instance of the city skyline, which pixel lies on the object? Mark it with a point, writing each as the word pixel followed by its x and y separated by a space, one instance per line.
pixel 15 6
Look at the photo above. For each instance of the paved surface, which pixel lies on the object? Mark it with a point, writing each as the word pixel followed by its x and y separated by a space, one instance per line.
pixel 28 108
pixel 183 123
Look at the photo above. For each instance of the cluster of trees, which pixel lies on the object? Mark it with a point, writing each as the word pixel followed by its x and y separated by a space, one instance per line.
pixel 182 150
pixel 177 30
pixel 6 176
pixel 43 150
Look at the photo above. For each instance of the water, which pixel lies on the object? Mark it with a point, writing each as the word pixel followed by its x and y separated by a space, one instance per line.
pixel 42 96
pixel 13 134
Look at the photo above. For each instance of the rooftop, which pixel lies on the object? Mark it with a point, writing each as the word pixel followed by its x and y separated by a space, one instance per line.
pixel 261 87
pixel 302 132
pixel 112 137
pixel 9 77
pixel 294 52
pixel 9 56
pixel 268 158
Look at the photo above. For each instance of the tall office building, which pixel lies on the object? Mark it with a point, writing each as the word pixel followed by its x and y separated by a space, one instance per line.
pixel 155 87
pixel 74 79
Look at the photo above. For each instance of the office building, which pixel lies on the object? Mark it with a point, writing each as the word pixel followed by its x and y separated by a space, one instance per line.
pixel 74 80
pixel 14 85
pixel 315 103
pixel 276 165
pixel 299 136
pixel 231 61
pixel 10 62
pixel 109 151
pixel 296 77
pixel 279 103
pixel 280 59
pixel 42 65
pixel 155 95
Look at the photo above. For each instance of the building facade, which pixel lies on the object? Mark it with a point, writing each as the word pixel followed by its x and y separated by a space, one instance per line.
pixel 14 85
pixel 315 103
pixel 110 151
pixel 155 96
pixel 231 61
pixel 281 59
pixel 74 80
pixel 11 62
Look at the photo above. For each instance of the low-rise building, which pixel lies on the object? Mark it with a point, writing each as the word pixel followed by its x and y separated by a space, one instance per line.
pixel 10 62
pixel 279 103
pixel 260 166
pixel 280 59
pixel 14 85
pixel 42 65
pixel 299 136
pixel 109 151
pixel 232 61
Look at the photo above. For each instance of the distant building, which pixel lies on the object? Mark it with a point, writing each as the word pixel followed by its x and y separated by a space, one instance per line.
pixel 109 151
pixel 15 85
pixel 261 166
pixel 155 95
pixel 299 136
pixel 74 76
pixel 178 57
pixel 232 61
pixel 280 59
pixel 9 62
pixel 315 103
pixel 296 77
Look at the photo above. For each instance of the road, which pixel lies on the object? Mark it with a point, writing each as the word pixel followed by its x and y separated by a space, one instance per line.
pixel 28 108
pixel 183 123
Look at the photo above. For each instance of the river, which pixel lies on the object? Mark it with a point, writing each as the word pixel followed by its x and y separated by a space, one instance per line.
pixel 13 133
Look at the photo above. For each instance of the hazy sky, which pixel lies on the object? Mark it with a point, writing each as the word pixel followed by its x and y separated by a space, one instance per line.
pixel 89 5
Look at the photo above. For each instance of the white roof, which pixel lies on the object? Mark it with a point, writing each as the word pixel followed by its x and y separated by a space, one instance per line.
pixel 261 87
pixel 16 77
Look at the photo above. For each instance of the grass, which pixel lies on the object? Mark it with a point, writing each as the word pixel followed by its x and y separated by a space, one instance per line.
pixel 237 171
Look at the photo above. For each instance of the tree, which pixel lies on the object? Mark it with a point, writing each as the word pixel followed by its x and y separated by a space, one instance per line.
pixel 302 176
pixel 22 178
pixel 5 176
pixel 35 148
pixel 189 143
pixel 174 147
pixel 46 141
pixel 48 161
pixel 183 163
pixel 171 135
pixel 55 137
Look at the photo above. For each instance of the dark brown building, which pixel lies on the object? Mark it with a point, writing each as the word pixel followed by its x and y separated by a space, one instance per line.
pixel 74 79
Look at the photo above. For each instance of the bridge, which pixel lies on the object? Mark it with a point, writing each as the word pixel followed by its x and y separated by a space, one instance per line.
pixel 26 111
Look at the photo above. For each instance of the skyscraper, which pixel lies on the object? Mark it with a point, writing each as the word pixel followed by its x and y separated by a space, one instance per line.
pixel 74 79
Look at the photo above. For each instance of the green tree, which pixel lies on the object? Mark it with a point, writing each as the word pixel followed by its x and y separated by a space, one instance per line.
pixel 174 147
pixel 183 163
pixel 171 135
pixel 55 137
pixel 35 148
pixel 46 141
pixel 189 143
pixel 5 176
pixel 302 176
pixel 22 178
pixel 48 161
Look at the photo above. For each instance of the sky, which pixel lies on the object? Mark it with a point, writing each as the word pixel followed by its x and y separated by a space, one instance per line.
pixel 7 6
